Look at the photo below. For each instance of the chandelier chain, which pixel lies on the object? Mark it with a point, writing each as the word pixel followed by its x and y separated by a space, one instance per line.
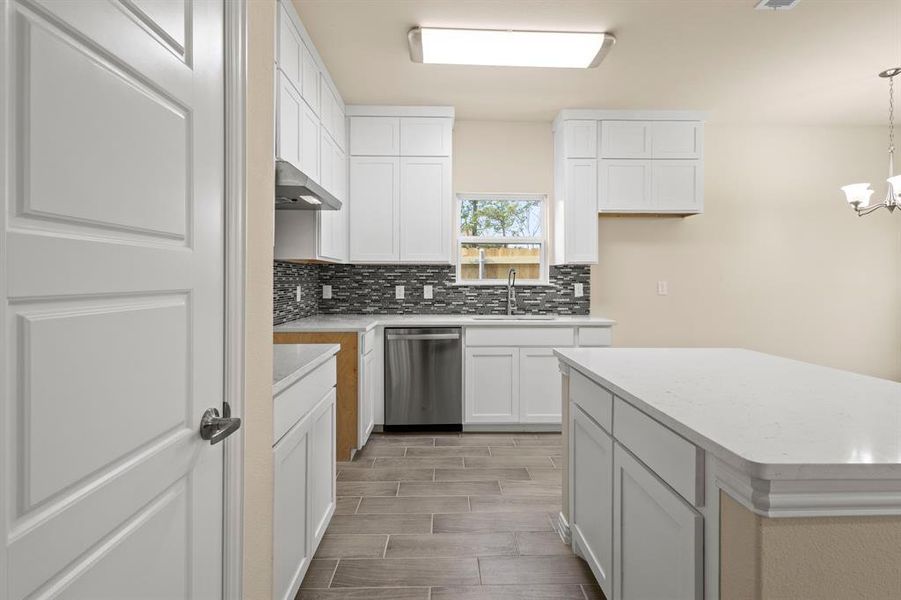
pixel 891 115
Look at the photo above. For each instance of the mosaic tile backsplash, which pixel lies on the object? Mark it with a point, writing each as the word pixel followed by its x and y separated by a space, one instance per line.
pixel 360 289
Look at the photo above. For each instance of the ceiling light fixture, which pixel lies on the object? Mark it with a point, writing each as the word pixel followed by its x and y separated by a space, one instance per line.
pixel 507 48
pixel 858 194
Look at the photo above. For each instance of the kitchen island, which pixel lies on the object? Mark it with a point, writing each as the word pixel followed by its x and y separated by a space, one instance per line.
pixel 726 473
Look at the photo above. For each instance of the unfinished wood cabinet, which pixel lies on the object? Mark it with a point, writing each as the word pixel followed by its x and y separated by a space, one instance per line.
pixel 348 381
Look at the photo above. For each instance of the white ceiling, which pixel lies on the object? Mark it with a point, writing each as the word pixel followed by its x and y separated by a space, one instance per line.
pixel 814 64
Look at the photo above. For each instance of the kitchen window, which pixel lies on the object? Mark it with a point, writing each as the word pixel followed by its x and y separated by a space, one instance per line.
pixel 497 232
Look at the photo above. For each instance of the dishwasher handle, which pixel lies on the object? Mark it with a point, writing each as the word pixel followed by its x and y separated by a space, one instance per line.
pixel 422 336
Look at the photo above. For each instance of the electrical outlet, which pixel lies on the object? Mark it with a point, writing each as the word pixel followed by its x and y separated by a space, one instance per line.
pixel 327 292
pixel 399 292
pixel 298 294
pixel 578 290
pixel 427 292
pixel 662 288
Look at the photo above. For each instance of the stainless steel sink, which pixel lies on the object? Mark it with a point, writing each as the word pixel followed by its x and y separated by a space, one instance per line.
pixel 515 317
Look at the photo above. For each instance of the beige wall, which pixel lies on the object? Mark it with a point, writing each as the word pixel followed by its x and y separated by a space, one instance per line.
pixel 260 170
pixel 777 263
pixel 499 156
pixel 764 559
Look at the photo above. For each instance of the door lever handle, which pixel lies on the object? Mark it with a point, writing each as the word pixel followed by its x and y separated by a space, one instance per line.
pixel 215 428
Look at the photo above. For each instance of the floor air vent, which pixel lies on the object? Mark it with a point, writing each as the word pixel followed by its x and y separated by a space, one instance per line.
pixel 776 4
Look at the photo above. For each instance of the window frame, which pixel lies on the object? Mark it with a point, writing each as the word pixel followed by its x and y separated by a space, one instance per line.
pixel 542 241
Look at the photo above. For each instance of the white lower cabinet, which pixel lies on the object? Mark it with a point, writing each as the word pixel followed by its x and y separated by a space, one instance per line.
pixel 492 385
pixel 591 500
pixel 322 468
pixel 539 386
pixel 290 531
pixel 303 494
pixel 657 536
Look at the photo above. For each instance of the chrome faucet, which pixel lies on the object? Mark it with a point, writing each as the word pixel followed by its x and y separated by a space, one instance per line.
pixel 511 290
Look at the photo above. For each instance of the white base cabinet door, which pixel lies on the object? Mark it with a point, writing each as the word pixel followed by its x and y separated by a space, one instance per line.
pixel 539 386
pixel 591 497
pixel 322 468
pixel 657 536
pixel 492 385
pixel 290 527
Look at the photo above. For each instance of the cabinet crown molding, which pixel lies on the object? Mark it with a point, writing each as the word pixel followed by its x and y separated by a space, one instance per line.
pixel 599 114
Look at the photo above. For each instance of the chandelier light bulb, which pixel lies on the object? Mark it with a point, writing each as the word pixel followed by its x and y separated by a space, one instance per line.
pixel 858 194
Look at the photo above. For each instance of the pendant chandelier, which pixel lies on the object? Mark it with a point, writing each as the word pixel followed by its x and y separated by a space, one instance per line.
pixel 858 194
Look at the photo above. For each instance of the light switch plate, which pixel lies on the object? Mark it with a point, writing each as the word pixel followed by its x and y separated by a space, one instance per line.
pixel 298 294
pixel 427 292
pixel 327 292
pixel 399 292
pixel 578 290
pixel 662 288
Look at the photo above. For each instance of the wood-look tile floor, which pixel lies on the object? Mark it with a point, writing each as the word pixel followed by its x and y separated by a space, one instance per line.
pixel 453 516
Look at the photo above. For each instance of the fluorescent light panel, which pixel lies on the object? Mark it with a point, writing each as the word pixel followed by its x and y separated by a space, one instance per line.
pixel 487 47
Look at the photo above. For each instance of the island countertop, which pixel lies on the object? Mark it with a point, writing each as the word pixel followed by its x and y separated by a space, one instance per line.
pixel 770 417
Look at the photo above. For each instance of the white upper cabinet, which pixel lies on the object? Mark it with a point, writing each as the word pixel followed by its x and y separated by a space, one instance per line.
pixel 309 142
pixel 580 139
pixel 625 139
pixel 375 197
pixel 374 136
pixel 401 187
pixel 648 162
pixel 425 136
pixel 425 209
pixel 677 185
pixel 577 220
pixel 624 185
pixel 310 85
pixel 290 109
pixel 676 140
pixel 290 48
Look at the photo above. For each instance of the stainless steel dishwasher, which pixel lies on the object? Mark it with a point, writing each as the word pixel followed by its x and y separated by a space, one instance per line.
pixel 423 379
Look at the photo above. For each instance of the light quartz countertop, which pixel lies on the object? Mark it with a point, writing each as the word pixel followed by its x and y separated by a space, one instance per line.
pixel 772 418
pixel 291 362
pixel 367 322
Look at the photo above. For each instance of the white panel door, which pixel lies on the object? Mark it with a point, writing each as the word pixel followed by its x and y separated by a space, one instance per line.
pixel 539 386
pixel 368 377
pixel 425 207
pixel 375 195
pixel 322 468
pixel 591 495
pixel 678 185
pixel 657 536
pixel 624 185
pixel 581 206
pixel 625 139
pixel 289 111
pixel 374 136
pixel 291 498
pixel 492 385
pixel 676 139
pixel 580 139
pixel 425 136
pixel 111 336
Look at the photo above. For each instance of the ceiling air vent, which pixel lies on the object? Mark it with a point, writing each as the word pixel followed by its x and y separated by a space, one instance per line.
pixel 776 4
